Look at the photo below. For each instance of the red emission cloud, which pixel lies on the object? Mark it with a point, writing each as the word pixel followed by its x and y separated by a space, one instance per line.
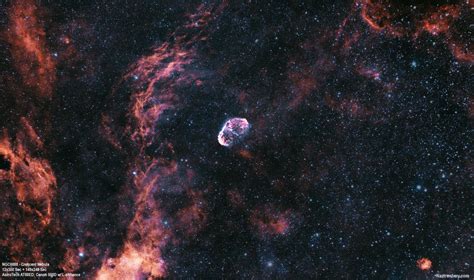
pixel 27 37
pixel 424 264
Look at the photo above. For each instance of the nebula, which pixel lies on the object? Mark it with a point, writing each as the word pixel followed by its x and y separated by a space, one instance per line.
pixel 424 264
pixel 28 47
pixel 236 140
pixel 233 130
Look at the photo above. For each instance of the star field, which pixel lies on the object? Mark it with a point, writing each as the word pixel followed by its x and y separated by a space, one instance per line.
pixel 237 139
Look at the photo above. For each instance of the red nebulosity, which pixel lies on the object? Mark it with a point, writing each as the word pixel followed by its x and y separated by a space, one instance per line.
pixel 305 75
pixel 29 186
pixel 133 263
pixel 156 82
pixel 30 134
pixel 157 76
pixel 74 62
pixel 348 39
pixel 354 108
pixel 460 46
pixel 424 264
pixel 27 179
pixel 26 176
pixel 79 255
pixel 411 20
pixel 370 73
pixel 378 16
pixel 303 82
pixel 470 108
pixel 271 222
pixel 27 38
pixel 246 154
pixel 235 198
pixel 107 131
pixel 154 75
pixel 463 52
pixel 192 218
pixel 71 259
pixel 373 73
pixel 441 19
pixel 146 236
pixel 398 18
pixel 65 40
pixel 149 232
pixel 32 178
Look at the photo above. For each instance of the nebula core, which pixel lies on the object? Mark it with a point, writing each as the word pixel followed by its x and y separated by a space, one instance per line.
pixel 236 139
pixel 233 131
